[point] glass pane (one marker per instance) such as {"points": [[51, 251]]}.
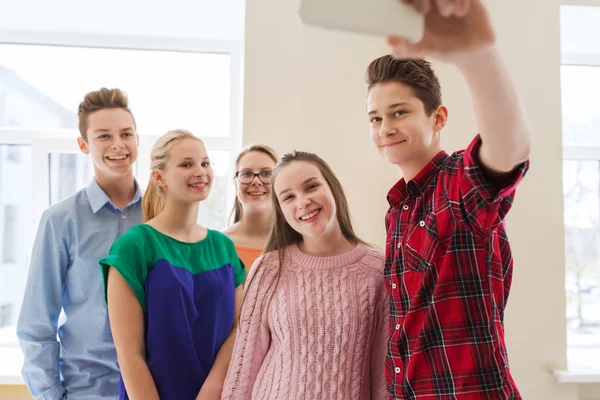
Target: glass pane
{"points": [[580, 116], [213, 211], [581, 180], [579, 29], [192, 92], [68, 174], [16, 234]]}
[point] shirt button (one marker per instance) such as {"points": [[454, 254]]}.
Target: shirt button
{"points": [[399, 245], [394, 286], [397, 326], [422, 223], [123, 216], [405, 207], [397, 370]]}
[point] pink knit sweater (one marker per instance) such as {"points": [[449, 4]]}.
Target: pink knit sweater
{"points": [[324, 335]]}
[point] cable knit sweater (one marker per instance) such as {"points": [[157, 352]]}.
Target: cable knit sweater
{"points": [[323, 335]]}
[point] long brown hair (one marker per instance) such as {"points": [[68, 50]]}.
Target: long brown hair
{"points": [[237, 211], [153, 201], [282, 235]]}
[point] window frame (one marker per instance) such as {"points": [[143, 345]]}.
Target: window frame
{"points": [[43, 142], [580, 152], [14, 257]]}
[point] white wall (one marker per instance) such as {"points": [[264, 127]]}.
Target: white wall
{"points": [[305, 90]]}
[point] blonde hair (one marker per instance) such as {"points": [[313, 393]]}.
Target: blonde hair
{"points": [[100, 100], [238, 212], [153, 201]]}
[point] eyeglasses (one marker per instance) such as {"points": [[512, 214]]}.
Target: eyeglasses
{"points": [[246, 177]]}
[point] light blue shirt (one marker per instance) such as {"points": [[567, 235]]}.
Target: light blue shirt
{"points": [[72, 237]]}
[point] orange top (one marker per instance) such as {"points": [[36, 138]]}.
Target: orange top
{"points": [[248, 255]]}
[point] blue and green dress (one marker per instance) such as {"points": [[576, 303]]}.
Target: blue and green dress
{"points": [[187, 293]]}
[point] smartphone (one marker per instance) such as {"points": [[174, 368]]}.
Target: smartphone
{"points": [[373, 17]]}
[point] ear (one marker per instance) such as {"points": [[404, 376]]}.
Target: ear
{"points": [[83, 146], [440, 118], [137, 139], [158, 178]]}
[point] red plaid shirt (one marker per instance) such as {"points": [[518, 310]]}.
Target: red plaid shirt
{"points": [[448, 270]]}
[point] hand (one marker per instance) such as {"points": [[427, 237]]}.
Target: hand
{"points": [[454, 30], [210, 390]]}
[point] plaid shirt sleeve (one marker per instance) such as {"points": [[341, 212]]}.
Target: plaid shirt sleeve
{"points": [[486, 202]]}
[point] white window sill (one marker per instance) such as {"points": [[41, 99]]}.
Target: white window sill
{"points": [[11, 362], [583, 367]]}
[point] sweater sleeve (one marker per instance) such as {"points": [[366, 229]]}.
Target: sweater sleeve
{"points": [[253, 336], [378, 354]]}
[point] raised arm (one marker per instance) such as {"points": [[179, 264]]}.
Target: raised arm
{"points": [[460, 32]]}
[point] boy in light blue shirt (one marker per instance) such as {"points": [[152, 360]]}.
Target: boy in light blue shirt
{"points": [[73, 235]]}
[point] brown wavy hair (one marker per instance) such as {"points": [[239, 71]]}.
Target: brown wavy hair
{"points": [[282, 235]]}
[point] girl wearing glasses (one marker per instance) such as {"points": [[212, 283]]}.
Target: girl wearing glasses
{"points": [[252, 210]]}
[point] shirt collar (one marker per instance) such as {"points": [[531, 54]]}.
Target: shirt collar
{"points": [[401, 190], [98, 198]]}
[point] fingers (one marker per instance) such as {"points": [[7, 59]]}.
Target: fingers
{"points": [[423, 6], [446, 8], [462, 7], [402, 48]]}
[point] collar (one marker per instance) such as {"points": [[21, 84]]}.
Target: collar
{"points": [[402, 190], [98, 198]]}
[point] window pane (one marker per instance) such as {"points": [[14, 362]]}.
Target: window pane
{"points": [[581, 180], [579, 29], [9, 245], [68, 174], [213, 211], [16, 234], [580, 116], [192, 92]]}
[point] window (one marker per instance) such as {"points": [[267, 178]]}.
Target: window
{"points": [[193, 90], [16, 233], [5, 315], [13, 153], [212, 211], [10, 232], [581, 177], [2, 105], [580, 84], [40, 163], [68, 174]]}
